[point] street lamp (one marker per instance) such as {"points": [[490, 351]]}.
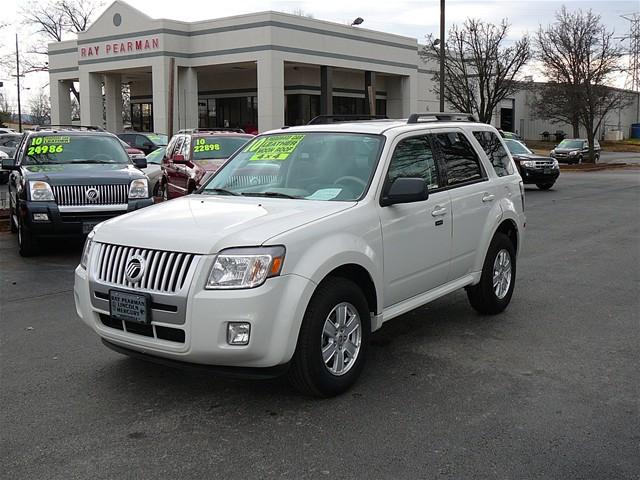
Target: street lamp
{"points": [[357, 21]]}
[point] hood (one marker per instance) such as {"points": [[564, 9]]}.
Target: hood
{"points": [[531, 156], [210, 165], [206, 224], [566, 150], [83, 173]]}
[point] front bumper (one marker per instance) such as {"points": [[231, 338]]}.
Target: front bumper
{"points": [[538, 175], [63, 224], [275, 311]]}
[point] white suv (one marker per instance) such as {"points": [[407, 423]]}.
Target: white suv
{"points": [[306, 241]]}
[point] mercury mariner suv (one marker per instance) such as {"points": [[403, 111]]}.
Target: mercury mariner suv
{"points": [[65, 180], [307, 240]]}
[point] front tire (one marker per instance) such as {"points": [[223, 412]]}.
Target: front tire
{"points": [[27, 243], [544, 186], [333, 340], [493, 293]]}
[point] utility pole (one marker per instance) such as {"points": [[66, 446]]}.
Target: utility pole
{"points": [[18, 82], [442, 55]]}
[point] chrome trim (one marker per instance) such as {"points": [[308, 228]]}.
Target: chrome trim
{"points": [[76, 195], [92, 208]]}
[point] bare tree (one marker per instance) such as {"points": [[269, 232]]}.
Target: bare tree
{"points": [[301, 13], [480, 70], [40, 108], [54, 20], [556, 102], [580, 57], [5, 111]]}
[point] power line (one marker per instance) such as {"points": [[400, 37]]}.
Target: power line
{"points": [[633, 73]]}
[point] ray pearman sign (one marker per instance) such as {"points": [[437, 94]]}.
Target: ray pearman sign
{"points": [[122, 47]]}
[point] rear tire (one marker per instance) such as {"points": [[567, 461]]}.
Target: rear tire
{"points": [[321, 338], [544, 186], [493, 293]]}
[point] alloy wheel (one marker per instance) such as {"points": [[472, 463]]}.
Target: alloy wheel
{"points": [[341, 338], [502, 274]]}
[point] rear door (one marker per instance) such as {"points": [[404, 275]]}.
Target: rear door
{"points": [[173, 170], [472, 197], [416, 236]]}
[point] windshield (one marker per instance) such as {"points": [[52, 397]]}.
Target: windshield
{"points": [[571, 144], [209, 147], [158, 139], [517, 148], [50, 149], [156, 156], [314, 166]]}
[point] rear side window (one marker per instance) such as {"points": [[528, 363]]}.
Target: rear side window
{"points": [[461, 161], [496, 152], [207, 147], [413, 157]]}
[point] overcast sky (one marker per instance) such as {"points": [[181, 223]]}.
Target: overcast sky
{"points": [[404, 17]]}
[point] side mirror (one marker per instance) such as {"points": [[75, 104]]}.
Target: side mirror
{"points": [[140, 163], [178, 158], [405, 190], [9, 164]]}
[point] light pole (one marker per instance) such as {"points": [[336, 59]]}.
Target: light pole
{"points": [[442, 40], [18, 82]]}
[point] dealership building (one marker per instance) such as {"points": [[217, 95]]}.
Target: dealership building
{"points": [[257, 72]]}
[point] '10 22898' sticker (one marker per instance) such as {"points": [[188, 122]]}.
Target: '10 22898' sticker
{"points": [[49, 144], [203, 146], [276, 147]]}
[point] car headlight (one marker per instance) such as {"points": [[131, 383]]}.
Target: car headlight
{"points": [[87, 249], [552, 152], [555, 164], [573, 153], [40, 191], [245, 267], [139, 188], [529, 163]]}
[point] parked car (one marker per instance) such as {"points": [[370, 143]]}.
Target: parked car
{"points": [[193, 156], [534, 169], [509, 135], [307, 240], [574, 150], [9, 142], [134, 153], [154, 170], [4, 174], [65, 181], [6, 130], [147, 142]]}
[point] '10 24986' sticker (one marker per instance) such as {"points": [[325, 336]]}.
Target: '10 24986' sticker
{"points": [[203, 146], [276, 147], [50, 144]]}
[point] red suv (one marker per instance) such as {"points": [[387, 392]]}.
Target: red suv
{"points": [[192, 156]]}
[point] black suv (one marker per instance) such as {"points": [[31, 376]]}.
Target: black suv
{"points": [[66, 180], [574, 150]]}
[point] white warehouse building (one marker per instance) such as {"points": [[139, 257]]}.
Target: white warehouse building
{"points": [[257, 72]]}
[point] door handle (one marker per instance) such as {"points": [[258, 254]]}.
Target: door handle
{"points": [[438, 211], [488, 197]]}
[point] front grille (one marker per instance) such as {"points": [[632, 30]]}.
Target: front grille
{"points": [[153, 331], [543, 164], [164, 272], [76, 195]]}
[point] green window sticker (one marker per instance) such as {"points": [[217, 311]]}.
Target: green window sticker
{"points": [[203, 146], [276, 147], [45, 145]]}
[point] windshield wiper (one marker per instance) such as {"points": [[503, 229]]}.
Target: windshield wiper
{"points": [[91, 161], [220, 190], [271, 194]]}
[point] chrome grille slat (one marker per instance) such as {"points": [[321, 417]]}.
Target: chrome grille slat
{"points": [[165, 272], [75, 195]]}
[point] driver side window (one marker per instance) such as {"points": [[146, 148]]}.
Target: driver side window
{"points": [[413, 157]]}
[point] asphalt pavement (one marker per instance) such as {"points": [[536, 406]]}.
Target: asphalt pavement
{"points": [[548, 390]]}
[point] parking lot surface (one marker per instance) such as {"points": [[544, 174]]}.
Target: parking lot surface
{"points": [[548, 389]]}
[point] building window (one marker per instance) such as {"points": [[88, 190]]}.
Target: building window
{"points": [[300, 108], [235, 112], [356, 106], [142, 117]]}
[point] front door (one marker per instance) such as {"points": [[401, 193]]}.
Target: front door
{"points": [[416, 236]]}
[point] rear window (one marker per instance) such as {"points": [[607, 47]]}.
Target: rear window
{"points": [[462, 163], [56, 149], [209, 147], [160, 140]]}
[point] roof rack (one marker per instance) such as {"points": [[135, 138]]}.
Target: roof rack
{"points": [[93, 128], [441, 117], [210, 130], [325, 119]]}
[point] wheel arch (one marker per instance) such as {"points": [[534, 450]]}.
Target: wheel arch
{"points": [[361, 277]]}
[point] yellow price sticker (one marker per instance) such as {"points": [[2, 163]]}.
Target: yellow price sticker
{"points": [[275, 147]]}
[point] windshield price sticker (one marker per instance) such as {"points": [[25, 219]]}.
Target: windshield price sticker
{"points": [[203, 146], [43, 145], [276, 147], [42, 149]]}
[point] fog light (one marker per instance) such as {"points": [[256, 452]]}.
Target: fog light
{"points": [[41, 217], [238, 333]]}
